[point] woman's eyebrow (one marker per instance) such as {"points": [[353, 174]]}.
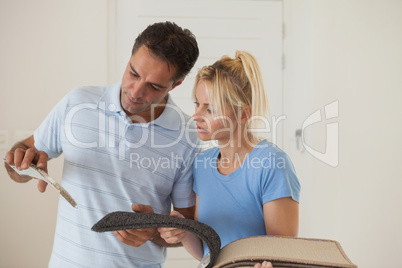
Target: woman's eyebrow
{"points": [[206, 104]]}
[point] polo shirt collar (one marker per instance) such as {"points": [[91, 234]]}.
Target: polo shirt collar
{"points": [[172, 116], [110, 100]]}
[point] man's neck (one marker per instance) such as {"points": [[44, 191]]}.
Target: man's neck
{"points": [[149, 115]]}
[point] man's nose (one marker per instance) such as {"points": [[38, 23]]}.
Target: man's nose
{"points": [[137, 90]]}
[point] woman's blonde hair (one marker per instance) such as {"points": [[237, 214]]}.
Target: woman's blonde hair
{"points": [[236, 83]]}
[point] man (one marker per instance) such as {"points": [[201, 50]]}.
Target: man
{"points": [[126, 147]]}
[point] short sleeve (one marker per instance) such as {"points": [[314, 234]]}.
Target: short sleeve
{"points": [[47, 135], [182, 193], [279, 179], [195, 186]]}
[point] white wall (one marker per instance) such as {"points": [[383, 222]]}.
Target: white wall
{"points": [[350, 51], [358, 60], [352, 54], [47, 48]]}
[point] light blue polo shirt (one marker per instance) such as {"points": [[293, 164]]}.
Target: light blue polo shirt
{"points": [[109, 164]]}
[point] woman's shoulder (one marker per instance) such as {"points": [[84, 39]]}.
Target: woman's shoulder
{"points": [[209, 152], [265, 147], [271, 157]]}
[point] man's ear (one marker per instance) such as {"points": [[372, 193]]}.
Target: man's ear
{"points": [[177, 83]]}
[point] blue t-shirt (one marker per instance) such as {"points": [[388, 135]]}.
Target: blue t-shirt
{"points": [[233, 204]]}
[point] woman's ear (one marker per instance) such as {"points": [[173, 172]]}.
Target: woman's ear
{"points": [[245, 114]]}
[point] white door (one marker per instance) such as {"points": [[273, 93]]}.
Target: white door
{"points": [[221, 27]]}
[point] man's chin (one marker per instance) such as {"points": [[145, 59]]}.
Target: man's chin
{"points": [[131, 111]]}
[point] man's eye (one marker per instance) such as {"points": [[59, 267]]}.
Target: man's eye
{"points": [[134, 74], [156, 88]]}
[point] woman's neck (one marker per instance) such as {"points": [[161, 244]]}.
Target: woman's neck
{"points": [[233, 153]]}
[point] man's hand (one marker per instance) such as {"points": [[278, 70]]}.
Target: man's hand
{"points": [[22, 155], [137, 237]]}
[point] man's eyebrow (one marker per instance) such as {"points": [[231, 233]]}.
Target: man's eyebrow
{"points": [[155, 84]]}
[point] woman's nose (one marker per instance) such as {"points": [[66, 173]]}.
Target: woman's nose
{"points": [[197, 115], [195, 118]]}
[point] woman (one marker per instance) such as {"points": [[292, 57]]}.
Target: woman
{"points": [[246, 185]]}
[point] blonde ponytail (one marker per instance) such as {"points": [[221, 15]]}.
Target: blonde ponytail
{"points": [[236, 83], [259, 99]]}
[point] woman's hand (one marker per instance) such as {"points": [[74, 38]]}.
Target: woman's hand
{"points": [[173, 235], [265, 264]]}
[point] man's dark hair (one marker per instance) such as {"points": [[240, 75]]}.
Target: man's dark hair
{"points": [[172, 44]]}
